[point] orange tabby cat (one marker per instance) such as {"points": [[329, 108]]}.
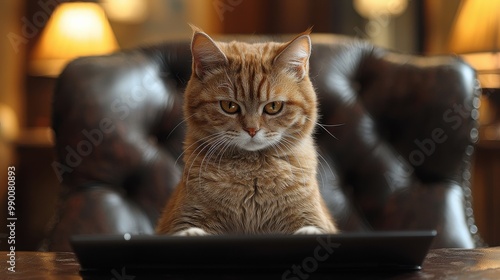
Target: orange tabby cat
{"points": [[250, 159]]}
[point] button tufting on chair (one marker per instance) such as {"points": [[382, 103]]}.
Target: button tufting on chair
{"points": [[396, 136]]}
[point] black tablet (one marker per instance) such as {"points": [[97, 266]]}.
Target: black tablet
{"points": [[291, 256]]}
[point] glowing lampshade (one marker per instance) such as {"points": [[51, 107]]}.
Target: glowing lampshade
{"points": [[476, 37], [377, 8], [75, 29], [9, 126], [128, 11]]}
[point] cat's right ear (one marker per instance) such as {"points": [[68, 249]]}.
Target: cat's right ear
{"points": [[294, 57], [206, 54]]}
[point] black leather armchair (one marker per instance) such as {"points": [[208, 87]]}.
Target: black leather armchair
{"points": [[399, 157]]}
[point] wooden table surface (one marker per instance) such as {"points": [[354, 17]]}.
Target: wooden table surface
{"points": [[481, 263]]}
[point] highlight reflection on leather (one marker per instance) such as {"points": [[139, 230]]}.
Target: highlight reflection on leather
{"points": [[398, 161]]}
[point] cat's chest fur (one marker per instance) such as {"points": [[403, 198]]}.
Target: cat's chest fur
{"points": [[257, 174], [252, 193]]}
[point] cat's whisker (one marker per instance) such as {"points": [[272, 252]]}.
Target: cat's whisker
{"points": [[289, 143], [195, 143], [213, 149], [330, 125], [228, 143], [321, 163], [207, 157], [181, 122], [201, 147], [324, 127], [223, 151], [327, 131], [188, 147]]}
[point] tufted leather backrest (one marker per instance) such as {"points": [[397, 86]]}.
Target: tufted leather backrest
{"points": [[395, 137]]}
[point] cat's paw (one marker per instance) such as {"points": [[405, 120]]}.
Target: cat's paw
{"points": [[309, 230], [192, 231]]}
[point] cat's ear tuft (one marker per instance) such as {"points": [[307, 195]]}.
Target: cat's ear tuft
{"points": [[206, 54], [195, 28], [294, 56]]}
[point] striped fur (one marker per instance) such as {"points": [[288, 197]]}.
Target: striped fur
{"points": [[248, 172]]}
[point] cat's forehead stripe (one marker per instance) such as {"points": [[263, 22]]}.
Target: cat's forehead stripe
{"points": [[243, 52], [251, 80], [239, 88], [261, 85], [249, 68], [253, 84]]}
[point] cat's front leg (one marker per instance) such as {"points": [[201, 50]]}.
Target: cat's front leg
{"points": [[192, 231], [309, 230]]}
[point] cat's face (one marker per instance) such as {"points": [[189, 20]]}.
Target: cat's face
{"points": [[250, 96]]}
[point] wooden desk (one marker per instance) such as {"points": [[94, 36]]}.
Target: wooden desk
{"points": [[439, 264]]}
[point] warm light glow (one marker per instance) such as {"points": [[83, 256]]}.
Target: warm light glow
{"points": [[476, 37], [477, 27], [487, 62], [75, 29], [9, 126], [376, 8], [129, 11]]}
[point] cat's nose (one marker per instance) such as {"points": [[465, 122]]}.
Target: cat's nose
{"points": [[251, 131]]}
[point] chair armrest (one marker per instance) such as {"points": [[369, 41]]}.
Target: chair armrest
{"points": [[96, 210]]}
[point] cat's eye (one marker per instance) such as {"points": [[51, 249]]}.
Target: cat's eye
{"points": [[229, 107], [274, 107]]}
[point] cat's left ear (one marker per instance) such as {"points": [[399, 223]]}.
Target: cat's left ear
{"points": [[206, 54], [294, 57]]}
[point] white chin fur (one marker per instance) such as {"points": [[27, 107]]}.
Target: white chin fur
{"points": [[256, 143], [252, 147]]}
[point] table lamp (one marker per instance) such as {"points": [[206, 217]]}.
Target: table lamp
{"points": [[377, 8], [74, 29], [379, 28], [475, 36]]}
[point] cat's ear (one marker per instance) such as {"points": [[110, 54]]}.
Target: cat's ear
{"points": [[206, 54], [294, 56]]}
